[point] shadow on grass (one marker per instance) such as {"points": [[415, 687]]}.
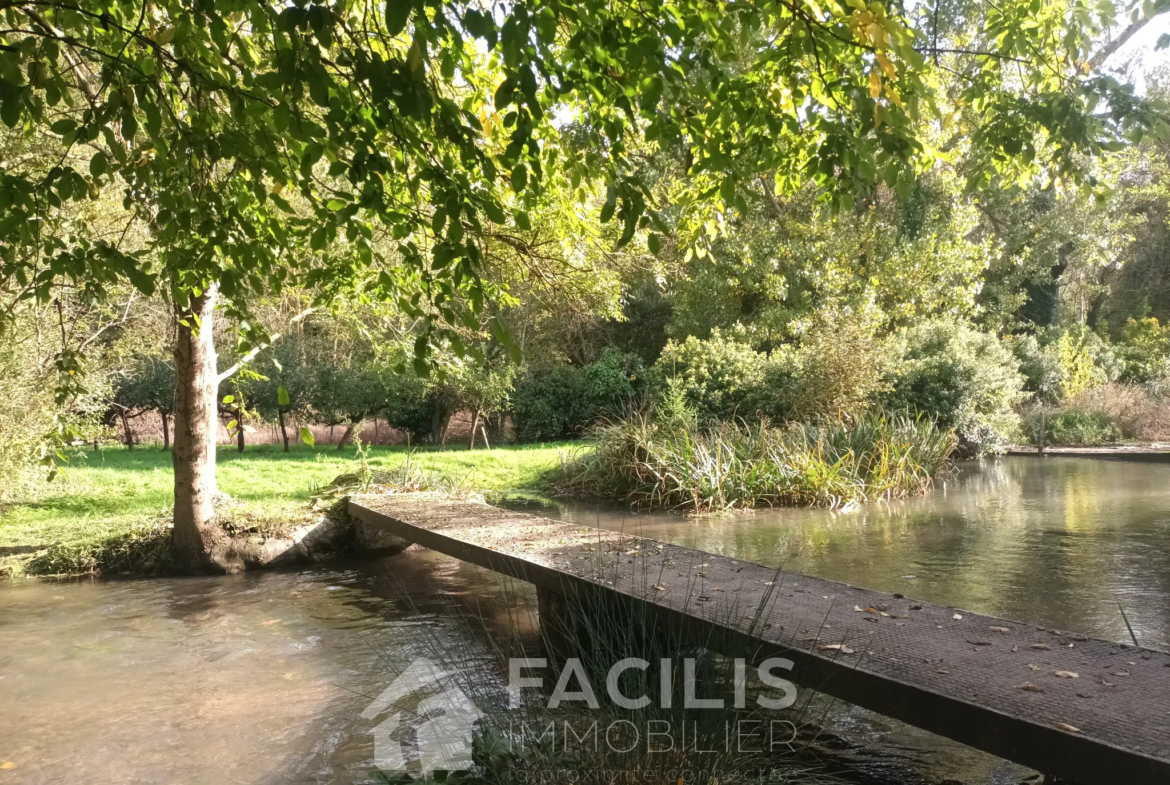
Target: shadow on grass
{"points": [[18, 550], [142, 551]]}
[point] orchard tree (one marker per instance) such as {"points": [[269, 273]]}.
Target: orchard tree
{"points": [[148, 385], [370, 148]]}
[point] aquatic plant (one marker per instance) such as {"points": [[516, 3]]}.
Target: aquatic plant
{"points": [[652, 464], [472, 635]]}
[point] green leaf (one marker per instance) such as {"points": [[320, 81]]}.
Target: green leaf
{"points": [[610, 203], [98, 165], [232, 424], [653, 243], [10, 110], [397, 13], [519, 178], [62, 127], [523, 221], [229, 399], [282, 398], [494, 212], [317, 240], [307, 436]]}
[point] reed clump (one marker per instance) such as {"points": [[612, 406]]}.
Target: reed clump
{"points": [[672, 464]]}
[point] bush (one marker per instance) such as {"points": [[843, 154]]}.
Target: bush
{"points": [[1144, 349], [718, 376], [962, 379], [1038, 363], [562, 403], [1141, 411], [549, 406], [612, 381], [836, 373], [1086, 361], [653, 464], [1075, 427]]}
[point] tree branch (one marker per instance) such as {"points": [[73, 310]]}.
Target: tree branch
{"points": [[247, 358], [1105, 52]]}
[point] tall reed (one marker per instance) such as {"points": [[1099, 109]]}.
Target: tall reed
{"points": [[734, 465]]}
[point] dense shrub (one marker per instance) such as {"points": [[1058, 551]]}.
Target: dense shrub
{"points": [[962, 379], [612, 381], [717, 375], [652, 464], [564, 402], [1141, 411], [1144, 349], [548, 406], [1038, 363], [1074, 427], [1086, 360], [836, 373]]}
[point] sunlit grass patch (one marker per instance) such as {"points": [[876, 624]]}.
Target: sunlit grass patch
{"points": [[108, 502]]}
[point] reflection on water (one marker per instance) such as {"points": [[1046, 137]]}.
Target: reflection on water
{"points": [[1058, 542], [261, 678]]}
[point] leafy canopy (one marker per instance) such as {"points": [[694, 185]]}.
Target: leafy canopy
{"points": [[365, 146]]}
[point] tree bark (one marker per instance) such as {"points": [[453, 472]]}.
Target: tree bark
{"points": [[440, 417], [240, 426], [126, 430], [166, 431], [196, 531], [348, 435], [474, 425], [283, 430]]}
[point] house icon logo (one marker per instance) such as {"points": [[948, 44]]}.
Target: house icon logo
{"points": [[443, 722]]}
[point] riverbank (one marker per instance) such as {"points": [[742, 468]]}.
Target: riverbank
{"points": [[111, 503], [1155, 452]]}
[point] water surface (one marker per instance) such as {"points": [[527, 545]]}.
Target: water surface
{"points": [[1058, 542], [262, 678]]}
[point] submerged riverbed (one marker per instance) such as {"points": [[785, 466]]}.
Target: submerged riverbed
{"points": [[262, 678]]}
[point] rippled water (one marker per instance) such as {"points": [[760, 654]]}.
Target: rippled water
{"points": [[261, 678], [258, 678]]}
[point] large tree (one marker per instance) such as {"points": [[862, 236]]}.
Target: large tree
{"points": [[371, 147]]}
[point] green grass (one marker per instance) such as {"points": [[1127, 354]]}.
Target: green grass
{"points": [[110, 495]]}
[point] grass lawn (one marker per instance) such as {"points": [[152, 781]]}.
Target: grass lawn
{"points": [[110, 494]]}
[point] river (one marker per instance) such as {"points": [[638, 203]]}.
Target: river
{"points": [[262, 678]]}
